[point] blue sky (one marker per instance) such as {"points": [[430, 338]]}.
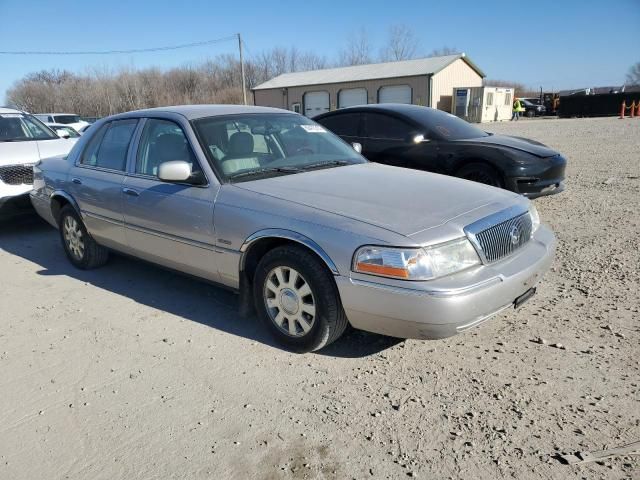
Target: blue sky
{"points": [[554, 44]]}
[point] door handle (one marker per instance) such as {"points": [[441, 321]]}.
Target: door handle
{"points": [[76, 181], [129, 191]]}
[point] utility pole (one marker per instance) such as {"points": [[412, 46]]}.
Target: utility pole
{"points": [[244, 86]]}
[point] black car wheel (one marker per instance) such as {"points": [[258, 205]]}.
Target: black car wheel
{"points": [[297, 299], [531, 113], [481, 173]]}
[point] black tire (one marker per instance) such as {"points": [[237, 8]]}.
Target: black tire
{"points": [[91, 255], [531, 113], [481, 173], [329, 320]]}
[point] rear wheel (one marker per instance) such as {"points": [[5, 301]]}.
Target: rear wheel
{"points": [[81, 249], [481, 173], [297, 299]]}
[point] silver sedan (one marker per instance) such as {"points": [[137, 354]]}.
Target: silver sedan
{"points": [[310, 234]]}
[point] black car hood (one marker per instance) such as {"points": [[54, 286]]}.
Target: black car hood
{"points": [[516, 143]]}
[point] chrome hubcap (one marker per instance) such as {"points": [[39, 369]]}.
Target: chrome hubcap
{"points": [[289, 301], [73, 237]]}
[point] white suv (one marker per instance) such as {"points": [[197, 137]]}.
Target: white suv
{"points": [[69, 119], [24, 140]]}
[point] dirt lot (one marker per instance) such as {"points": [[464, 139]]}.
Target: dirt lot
{"points": [[130, 371]]}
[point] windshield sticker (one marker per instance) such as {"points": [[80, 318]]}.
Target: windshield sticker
{"points": [[11, 115], [313, 128]]}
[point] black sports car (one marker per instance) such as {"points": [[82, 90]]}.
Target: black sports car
{"points": [[428, 139]]}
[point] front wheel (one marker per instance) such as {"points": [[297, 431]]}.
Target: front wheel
{"points": [[481, 173], [297, 299], [81, 249]]}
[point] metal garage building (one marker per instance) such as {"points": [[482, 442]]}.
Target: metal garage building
{"points": [[423, 81]]}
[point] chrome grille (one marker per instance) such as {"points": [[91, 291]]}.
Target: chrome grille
{"points": [[500, 235], [17, 174]]}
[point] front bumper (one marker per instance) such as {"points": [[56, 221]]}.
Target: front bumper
{"points": [[14, 199], [547, 178], [444, 307]]}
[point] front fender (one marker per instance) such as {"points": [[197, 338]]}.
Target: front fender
{"points": [[289, 235]]}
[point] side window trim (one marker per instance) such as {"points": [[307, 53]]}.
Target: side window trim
{"points": [[135, 150]]}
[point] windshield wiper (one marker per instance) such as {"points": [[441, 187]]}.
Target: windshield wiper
{"points": [[262, 171], [330, 163]]}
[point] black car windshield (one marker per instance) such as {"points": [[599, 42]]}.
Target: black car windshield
{"points": [[247, 147], [17, 127], [67, 119]]}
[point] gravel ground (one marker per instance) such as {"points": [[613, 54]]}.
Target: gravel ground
{"points": [[131, 371]]}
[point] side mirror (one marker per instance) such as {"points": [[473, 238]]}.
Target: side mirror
{"points": [[63, 133], [357, 147], [417, 138], [174, 171]]}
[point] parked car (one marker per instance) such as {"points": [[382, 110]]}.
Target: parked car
{"points": [[24, 140], [90, 119], [84, 129], [427, 139], [533, 107], [63, 131], [71, 119], [271, 204]]}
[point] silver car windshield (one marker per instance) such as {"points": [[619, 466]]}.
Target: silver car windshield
{"points": [[247, 147]]}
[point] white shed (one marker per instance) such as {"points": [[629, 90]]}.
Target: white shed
{"points": [[482, 104]]}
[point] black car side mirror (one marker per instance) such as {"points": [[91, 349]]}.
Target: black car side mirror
{"points": [[416, 138]]}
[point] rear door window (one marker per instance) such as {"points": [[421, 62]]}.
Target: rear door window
{"points": [[108, 147], [346, 125], [385, 127]]}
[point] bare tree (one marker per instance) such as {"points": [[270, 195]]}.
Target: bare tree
{"points": [[357, 50], [442, 51], [402, 44], [633, 77]]}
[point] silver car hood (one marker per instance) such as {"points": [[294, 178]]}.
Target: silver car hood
{"points": [[16, 153], [401, 200]]}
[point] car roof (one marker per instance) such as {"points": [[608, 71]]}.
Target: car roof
{"points": [[56, 114], [417, 113], [192, 112], [10, 110]]}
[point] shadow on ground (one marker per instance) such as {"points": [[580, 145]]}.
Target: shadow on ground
{"points": [[34, 240]]}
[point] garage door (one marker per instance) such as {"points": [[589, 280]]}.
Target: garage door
{"points": [[316, 103], [352, 97], [395, 94]]}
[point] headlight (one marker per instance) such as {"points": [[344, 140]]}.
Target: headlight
{"points": [[535, 218], [416, 263]]}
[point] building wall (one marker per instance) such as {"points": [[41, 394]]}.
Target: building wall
{"points": [[458, 74], [275, 97]]}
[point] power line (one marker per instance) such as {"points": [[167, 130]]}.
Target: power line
{"points": [[115, 52]]}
